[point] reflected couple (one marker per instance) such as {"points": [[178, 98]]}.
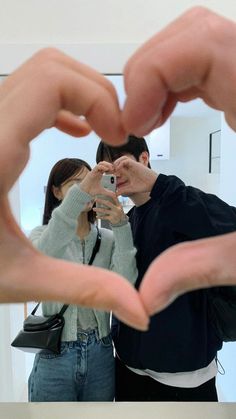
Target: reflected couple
{"points": [[176, 359]]}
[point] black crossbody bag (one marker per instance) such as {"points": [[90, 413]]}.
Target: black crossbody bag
{"points": [[42, 333]]}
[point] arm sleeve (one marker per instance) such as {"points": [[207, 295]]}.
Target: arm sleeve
{"points": [[192, 213], [123, 260], [62, 226]]}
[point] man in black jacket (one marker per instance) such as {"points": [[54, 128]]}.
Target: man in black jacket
{"points": [[175, 360]]}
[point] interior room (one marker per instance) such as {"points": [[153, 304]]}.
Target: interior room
{"points": [[196, 144]]}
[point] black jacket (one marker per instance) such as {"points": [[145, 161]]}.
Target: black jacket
{"points": [[181, 337]]}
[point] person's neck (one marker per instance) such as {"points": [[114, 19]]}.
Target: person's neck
{"points": [[83, 227], [140, 198]]}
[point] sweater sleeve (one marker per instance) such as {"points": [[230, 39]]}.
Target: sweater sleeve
{"points": [[53, 237], [123, 260]]}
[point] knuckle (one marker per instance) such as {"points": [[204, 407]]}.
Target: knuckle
{"points": [[48, 54], [198, 11]]}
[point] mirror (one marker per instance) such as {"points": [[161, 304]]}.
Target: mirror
{"points": [[187, 154], [197, 146]]}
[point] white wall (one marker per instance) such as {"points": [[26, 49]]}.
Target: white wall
{"points": [[228, 164], [6, 377], [70, 21], [226, 378], [12, 362], [189, 151]]}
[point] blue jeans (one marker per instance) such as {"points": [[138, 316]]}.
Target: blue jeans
{"points": [[83, 371]]}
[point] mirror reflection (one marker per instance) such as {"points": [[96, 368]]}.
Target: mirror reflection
{"points": [[195, 145]]}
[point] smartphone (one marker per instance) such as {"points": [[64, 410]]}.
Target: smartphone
{"points": [[108, 182]]}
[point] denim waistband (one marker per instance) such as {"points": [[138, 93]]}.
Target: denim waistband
{"points": [[84, 336], [88, 334]]}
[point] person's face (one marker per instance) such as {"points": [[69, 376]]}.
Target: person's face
{"points": [[61, 191]]}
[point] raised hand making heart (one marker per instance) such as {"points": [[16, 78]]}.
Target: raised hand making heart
{"points": [[180, 63]]}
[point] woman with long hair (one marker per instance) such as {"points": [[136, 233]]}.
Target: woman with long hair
{"points": [[84, 369]]}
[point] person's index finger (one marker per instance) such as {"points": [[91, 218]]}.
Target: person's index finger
{"points": [[72, 124], [182, 22], [107, 166], [53, 56], [62, 84], [106, 192], [173, 65], [93, 101]]}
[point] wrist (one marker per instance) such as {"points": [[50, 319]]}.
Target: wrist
{"points": [[84, 188], [124, 220]]}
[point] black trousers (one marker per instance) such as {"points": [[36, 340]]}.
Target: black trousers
{"points": [[133, 387]]}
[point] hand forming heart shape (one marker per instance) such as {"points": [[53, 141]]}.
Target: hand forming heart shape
{"points": [[178, 64]]}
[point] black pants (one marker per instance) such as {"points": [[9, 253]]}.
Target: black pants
{"points": [[133, 387]]}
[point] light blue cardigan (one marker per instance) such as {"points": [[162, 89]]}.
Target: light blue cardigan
{"points": [[59, 239]]}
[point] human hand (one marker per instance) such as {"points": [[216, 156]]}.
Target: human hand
{"points": [[113, 211], [52, 89], [132, 176], [194, 56], [189, 266], [184, 61], [92, 181]]}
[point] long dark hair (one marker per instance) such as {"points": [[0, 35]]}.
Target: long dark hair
{"points": [[61, 171]]}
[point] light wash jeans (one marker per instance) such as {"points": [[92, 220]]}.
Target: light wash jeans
{"points": [[83, 371]]}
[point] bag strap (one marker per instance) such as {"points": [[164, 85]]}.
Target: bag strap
{"points": [[95, 251], [61, 312], [96, 247], [35, 309]]}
